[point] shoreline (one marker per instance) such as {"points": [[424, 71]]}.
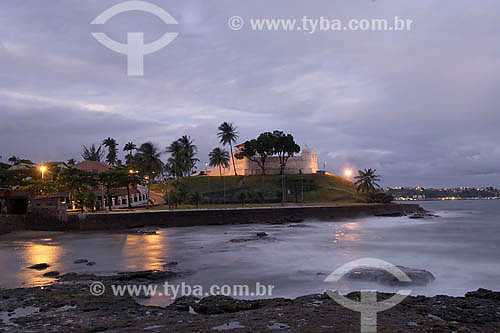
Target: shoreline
{"points": [[202, 217], [67, 305]]}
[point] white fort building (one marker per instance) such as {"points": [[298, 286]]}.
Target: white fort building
{"points": [[305, 163]]}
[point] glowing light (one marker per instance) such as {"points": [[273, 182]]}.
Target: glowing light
{"points": [[348, 173], [43, 168]]}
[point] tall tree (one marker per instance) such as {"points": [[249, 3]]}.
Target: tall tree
{"points": [[112, 146], [285, 147], [367, 181], [258, 150], [76, 182], [219, 158], [228, 135], [189, 152], [176, 161], [129, 147], [92, 153], [148, 162], [182, 160], [148, 159]]}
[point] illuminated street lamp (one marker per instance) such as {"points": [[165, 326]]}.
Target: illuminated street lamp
{"points": [[348, 173], [43, 169]]}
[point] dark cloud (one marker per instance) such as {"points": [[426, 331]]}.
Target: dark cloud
{"points": [[419, 106]]}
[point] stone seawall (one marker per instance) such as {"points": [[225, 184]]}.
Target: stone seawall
{"points": [[186, 218], [9, 223]]}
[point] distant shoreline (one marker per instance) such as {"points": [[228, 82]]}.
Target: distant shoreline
{"points": [[442, 199]]}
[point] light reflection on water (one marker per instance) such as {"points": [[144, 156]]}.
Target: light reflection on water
{"points": [[35, 252], [148, 247]]}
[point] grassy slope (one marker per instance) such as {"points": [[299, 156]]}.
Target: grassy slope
{"points": [[326, 188]]}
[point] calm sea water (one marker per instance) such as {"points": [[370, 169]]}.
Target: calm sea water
{"points": [[461, 248]]}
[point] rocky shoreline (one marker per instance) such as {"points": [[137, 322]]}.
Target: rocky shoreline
{"points": [[67, 305]]}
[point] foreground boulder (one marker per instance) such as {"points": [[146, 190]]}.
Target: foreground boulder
{"points": [[40, 267], [80, 261], [223, 304], [52, 274], [419, 277], [151, 275]]}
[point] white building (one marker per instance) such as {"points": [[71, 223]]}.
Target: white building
{"points": [[306, 163]]}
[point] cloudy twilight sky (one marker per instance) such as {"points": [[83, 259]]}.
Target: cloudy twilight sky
{"points": [[420, 106]]}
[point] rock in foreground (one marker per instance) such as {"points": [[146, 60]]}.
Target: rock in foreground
{"points": [[69, 307], [40, 267], [419, 277]]}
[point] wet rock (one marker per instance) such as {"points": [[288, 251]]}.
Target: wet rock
{"points": [[240, 240], [433, 317], [146, 232], [52, 274], [484, 294], [278, 326], [261, 234], [171, 263], [419, 277], [40, 267], [184, 303], [69, 276], [224, 304], [394, 214], [151, 275], [228, 326], [251, 239], [80, 261]]}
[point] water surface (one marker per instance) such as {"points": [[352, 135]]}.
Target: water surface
{"points": [[461, 248]]}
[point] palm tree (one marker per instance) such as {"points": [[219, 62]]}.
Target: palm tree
{"points": [[219, 158], [71, 162], [182, 160], [176, 161], [92, 153], [148, 161], [189, 153], [130, 147], [228, 135], [111, 144], [367, 181]]}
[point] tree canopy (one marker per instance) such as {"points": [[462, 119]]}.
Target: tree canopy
{"points": [[269, 144]]}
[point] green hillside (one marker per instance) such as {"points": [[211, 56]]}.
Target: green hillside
{"points": [[313, 188]]}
